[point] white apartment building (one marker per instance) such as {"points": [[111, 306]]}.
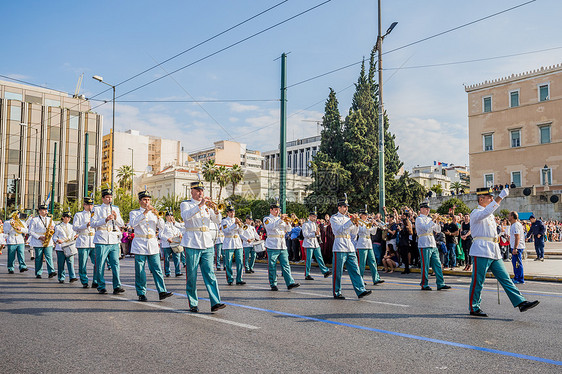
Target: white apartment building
{"points": [[431, 175]]}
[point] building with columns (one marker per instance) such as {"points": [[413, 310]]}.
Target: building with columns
{"points": [[33, 122], [299, 154]]}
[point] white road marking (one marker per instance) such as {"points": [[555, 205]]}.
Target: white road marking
{"points": [[196, 315]]}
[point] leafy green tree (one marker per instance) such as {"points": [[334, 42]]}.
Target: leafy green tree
{"points": [[222, 178], [406, 191], [235, 175], [331, 143], [125, 176], [456, 186], [330, 181], [461, 207], [210, 173], [437, 188]]}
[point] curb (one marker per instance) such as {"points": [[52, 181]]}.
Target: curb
{"points": [[540, 278]]}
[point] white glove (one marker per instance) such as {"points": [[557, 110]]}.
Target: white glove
{"points": [[504, 193]]}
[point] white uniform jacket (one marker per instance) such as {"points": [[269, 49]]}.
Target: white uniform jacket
{"points": [[231, 234], [104, 230], [309, 233], [37, 227], [170, 230], [246, 235], [343, 230], [364, 237], [64, 232], [12, 237], [145, 241], [484, 232], [425, 228], [197, 223], [276, 229], [85, 233], [219, 237]]}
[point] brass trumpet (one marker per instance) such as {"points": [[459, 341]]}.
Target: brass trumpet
{"points": [[215, 206]]}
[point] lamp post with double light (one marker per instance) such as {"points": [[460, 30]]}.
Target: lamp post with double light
{"points": [[100, 79]]}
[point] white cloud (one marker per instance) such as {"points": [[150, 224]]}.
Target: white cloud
{"points": [[239, 108]]}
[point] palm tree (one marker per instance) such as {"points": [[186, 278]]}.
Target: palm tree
{"points": [[210, 173], [222, 178], [125, 174], [457, 186], [236, 176]]}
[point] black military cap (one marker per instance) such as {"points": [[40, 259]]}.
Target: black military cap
{"points": [[42, 206], [483, 191], [106, 191], [274, 206], [169, 214], [199, 185], [144, 194], [424, 205], [88, 200], [342, 202], [67, 214]]}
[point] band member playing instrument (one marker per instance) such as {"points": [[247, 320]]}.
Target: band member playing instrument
{"points": [[198, 246], [231, 226], [249, 236], [486, 254], [311, 232], [41, 230], [428, 249], [167, 234], [365, 248], [14, 229], [85, 241], [106, 221], [344, 252], [144, 246], [64, 233], [276, 227]]}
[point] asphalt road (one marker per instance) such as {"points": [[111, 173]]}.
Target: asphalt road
{"points": [[48, 327]]}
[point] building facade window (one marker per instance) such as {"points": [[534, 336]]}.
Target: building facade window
{"points": [[515, 138], [516, 178], [546, 176], [489, 180], [488, 142], [544, 134], [544, 92], [514, 99], [487, 104]]}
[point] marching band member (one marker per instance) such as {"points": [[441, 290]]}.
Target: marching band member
{"points": [[13, 230], [232, 245], [219, 240], [344, 253], [428, 249], [42, 228], [277, 248], [106, 221], [249, 237], [85, 241], [167, 233], [365, 249], [310, 232], [198, 247], [486, 254], [64, 233], [144, 246]]}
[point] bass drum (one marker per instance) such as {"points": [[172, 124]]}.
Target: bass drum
{"points": [[259, 247]]}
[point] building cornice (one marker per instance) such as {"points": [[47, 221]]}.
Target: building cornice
{"points": [[514, 78]]}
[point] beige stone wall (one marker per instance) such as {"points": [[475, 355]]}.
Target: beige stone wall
{"points": [[531, 156]]}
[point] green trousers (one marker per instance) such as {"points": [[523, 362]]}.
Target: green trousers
{"points": [[430, 257], [480, 266]]}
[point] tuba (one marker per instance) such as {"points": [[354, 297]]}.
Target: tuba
{"points": [[16, 223], [49, 233]]}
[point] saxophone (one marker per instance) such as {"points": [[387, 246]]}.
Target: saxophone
{"points": [[49, 233]]}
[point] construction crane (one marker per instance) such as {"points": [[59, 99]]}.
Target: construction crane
{"points": [[78, 86]]}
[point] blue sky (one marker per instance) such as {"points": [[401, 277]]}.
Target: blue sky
{"points": [[52, 43]]}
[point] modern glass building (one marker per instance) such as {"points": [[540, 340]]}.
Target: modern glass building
{"points": [[32, 121]]}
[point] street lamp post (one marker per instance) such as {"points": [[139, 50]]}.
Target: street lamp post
{"points": [[35, 179], [100, 79], [381, 113]]}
